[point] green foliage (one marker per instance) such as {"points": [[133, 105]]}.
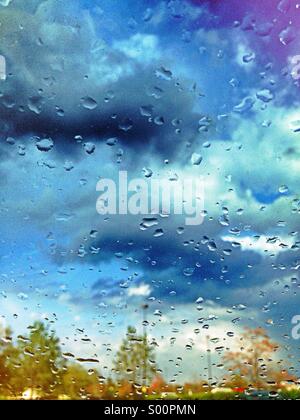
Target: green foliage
{"points": [[134, 361], [6, 352], [200, 396], [40, 360], [35, 365], [290, 395], [78, 383]]}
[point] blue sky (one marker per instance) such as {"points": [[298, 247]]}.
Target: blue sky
{"points": [[229, 66]]}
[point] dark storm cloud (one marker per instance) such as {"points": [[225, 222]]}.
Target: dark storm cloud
{"points": [[54, 65], [188, 264], [171, 268], [57, 72]]}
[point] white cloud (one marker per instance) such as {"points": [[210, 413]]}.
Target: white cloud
{"points": [[141, 290], [263, 245], [141, 47]]}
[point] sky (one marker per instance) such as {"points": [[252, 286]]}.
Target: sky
{"points": [[97, 87]]}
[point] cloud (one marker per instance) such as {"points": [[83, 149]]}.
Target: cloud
{"points": [[74, 78], [57, 68], [262, 244], [141, 290]]}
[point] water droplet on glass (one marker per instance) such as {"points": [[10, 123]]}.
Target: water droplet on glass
{"points": [[196, 159], [212, 246], [284, 6], [288, 35], [158, 233], [89, 103], [68, 166], [147, 172], [244, 106], [163, 73], [45, 145], [264, 29], [112, 141], [283, 189], [146, 110], [126, 125], [265, 95], [35, 104], [148, 222], [89, 148], [159, 120], [188, 272], [248, 58]]}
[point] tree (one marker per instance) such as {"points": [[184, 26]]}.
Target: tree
{"points": [[40, 360], [7, 359], [78, 383], [253, 361], [235, 381], [134, 363]]}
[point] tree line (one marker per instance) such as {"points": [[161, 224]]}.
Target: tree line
{"points": [[34, 366]]}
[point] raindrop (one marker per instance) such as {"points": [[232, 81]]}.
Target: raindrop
{"points": [[264, 29], [89, 148], [112, 141], [284, 6], [265, 95], [158, 233], [288, 35], [200, 300], [35, 104], [10, 140], [163, 73], [68, 355], [196, 159], [159, 120], [126, 125], [146, 111], [224, 221], [50, 164], [212, 246], [248, 58], [295, 126], [68, 166], [91, 360], [89, 103], [248, 23], [283, 189], [8, 102], [60, 112], [148, 222], [188, 272], [147, 172], [45, 145], [244, 106], [148, 14], [22, 296]]}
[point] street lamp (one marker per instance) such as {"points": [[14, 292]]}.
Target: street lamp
{"points": [[145, 342], [209, 364]]}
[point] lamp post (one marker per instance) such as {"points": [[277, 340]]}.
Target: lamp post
{"points": [[209, 364], [145, 342]]}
